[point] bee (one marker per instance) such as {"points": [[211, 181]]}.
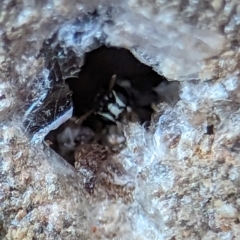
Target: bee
{"points": [[112, 104], [121, 101]]}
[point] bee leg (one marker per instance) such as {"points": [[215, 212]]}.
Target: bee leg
{"points": [[81, 119]]}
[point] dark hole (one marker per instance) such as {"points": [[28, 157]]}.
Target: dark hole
{"points": [[99, 67], [210, 130], [133, 87], [93, 79]]}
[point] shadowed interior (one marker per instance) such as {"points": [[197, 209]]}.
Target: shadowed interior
{"points": [[94, 76]]}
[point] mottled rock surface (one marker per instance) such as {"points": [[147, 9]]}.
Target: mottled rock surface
{"points": [[177, 181]]}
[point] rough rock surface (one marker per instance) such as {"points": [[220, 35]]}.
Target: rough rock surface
{"points": [[173, 182]]}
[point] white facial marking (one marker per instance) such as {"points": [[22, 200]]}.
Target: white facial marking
{"points": [[107, 115], [115, 110], [118, 100]]}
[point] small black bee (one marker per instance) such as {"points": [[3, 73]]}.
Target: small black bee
{"points": [[111, 103], [122, 101]]}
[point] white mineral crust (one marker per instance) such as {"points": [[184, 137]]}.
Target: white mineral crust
{"points": [[173, 182]]}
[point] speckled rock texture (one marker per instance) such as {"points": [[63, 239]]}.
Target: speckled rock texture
{"points": [[175, 181]]}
